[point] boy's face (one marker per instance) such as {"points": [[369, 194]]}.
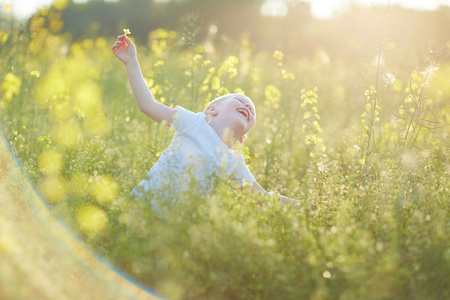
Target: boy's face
{"points": [[238, 113]]}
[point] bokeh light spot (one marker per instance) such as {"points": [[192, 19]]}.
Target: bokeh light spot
{"points": [[105, 189], [50, 162], [91, 219], [53, 188]]}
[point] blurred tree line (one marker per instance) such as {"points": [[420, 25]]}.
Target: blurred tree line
{"points": [[350, 35]]}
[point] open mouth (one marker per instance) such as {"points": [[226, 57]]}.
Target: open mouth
{"points": [[244, 112]]}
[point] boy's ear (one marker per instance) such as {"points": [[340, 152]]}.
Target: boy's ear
{"points": [[211, 110], [241, 139]]}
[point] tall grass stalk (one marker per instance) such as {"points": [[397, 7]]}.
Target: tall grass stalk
{"points": [[416, 115], [189, 35], [374, 98]]}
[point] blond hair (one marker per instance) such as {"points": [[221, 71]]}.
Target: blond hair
{"points": [[223, 98]]}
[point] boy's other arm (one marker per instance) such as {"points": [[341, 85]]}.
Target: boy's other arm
{"points": [[256, 188], [125, 51]]}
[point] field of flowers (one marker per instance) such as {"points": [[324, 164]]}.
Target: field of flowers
{"points": [[366, 151]]}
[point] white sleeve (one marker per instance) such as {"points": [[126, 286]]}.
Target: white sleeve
{"points": [[184, 119], [242, 173]]}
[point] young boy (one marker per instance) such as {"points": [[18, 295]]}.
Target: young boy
{"points": [[200, 150]]}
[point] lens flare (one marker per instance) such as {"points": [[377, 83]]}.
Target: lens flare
{"points": [[40, 258]]}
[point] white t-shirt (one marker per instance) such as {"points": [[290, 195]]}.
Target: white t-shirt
{"points": [[195, 157]]}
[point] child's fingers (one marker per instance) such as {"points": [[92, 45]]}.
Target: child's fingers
{"points": [[116, 45], [126, 38], [122, 40], [126, 41], [121, 37]]}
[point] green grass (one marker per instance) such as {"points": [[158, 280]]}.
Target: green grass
{"points": [[371, 168]]}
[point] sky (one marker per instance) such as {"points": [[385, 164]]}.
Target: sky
{"points": [[321, 9]]}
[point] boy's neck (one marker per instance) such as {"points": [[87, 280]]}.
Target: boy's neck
{"points": [[225, 134]]}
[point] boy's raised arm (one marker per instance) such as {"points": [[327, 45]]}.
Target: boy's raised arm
{"points": [[125, 51]]}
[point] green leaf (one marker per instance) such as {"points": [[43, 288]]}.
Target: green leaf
{"points": [[364, 128], [378, 143]]}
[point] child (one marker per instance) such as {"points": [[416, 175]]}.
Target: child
{"points": [[200, 150]]}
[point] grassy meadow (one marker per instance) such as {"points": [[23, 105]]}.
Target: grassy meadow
{"points": [[364, 145]]}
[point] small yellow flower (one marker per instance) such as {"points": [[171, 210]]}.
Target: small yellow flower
{"points": [[35, 73], [126, 31], [158, 63], [10, 86], [60, 4], [278, 55], [3, 37], [272, 92]]}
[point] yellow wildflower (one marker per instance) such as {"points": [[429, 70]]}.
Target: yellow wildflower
{"points": [[7, 8], [10, 86], [60, 4], [215, 83], [271, 92], [278, 55], [3, 37], [35, 73]]}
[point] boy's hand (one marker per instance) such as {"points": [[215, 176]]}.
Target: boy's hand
{"points": [[124, 49]]}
